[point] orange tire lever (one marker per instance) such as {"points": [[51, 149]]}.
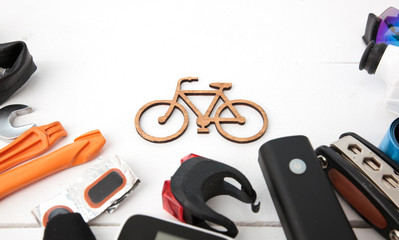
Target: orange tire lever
{"points": [[31, 143], [84, 149]]}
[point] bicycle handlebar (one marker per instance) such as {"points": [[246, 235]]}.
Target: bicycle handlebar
{"points": [[187, 79]]}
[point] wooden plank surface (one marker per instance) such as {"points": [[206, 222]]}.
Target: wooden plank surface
{"points": [[100, 61]]}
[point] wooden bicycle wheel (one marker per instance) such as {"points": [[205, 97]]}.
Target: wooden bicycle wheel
{"points": [[155, 103], [219, 121]]}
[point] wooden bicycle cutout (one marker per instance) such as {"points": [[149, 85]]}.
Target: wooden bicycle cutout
{"points": [[203, 120]]}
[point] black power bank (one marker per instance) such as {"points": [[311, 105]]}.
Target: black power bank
{"points": [[305, 202]]}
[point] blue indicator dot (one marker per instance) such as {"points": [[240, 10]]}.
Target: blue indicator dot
{"points": [[297, 166]]}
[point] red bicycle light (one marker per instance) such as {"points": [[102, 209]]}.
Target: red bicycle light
{"points": [[189, 156], [198, 180], [170, 204]]}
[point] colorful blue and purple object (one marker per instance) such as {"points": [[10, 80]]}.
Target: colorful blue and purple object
{"points": [[383, 29]]}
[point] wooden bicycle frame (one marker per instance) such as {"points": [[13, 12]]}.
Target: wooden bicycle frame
{"points": [[203, 120]]}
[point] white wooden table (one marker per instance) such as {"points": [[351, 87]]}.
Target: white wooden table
{"points": [[100, 61]]}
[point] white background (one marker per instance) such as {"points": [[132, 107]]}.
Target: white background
{"points": [[100, 61]]}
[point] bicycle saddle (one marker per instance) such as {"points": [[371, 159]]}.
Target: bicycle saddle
{"points": [[16, 67], [218, 85]]}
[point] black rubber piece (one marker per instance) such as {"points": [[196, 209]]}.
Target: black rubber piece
{"points": [[372, 56], [199, 179], [19, 65], [105, 187], [66, 227], [305, 202], [373, 23]]}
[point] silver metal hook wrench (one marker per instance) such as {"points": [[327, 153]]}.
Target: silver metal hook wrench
{"points": [[7, 115]]}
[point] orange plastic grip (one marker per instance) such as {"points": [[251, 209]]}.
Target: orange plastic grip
{"points": [[31, 143], [84, 149]]}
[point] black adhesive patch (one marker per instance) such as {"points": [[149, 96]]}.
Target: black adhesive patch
{"points": [[58, 211], [105, 187]]}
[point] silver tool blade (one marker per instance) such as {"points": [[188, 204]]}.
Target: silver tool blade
{"points": [[7, 115]]}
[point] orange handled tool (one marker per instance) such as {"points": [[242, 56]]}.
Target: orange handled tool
{"points": [[84, 149], [31, 143]]}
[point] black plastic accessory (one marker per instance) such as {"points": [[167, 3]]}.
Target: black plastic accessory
{"points": [[142, 227], [197, 180], [305, 202], [372, 56], [16, 67], [66, 227], [367, 179], [370, 34]]}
